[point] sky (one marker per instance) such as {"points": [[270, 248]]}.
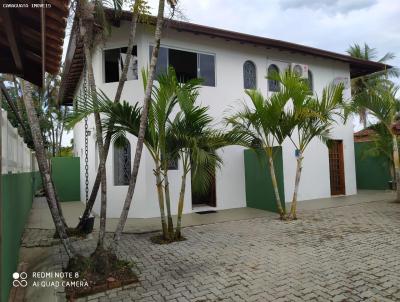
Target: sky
{"points": [[327, 24]]}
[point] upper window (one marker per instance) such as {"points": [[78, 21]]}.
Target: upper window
{"points": [[273, 85], [114, 64], [249, 75], [310, 81], [122, 164], [187, 65]]}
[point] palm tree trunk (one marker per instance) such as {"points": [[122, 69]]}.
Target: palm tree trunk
{"points": [[293, 208], [168, 203], [122, 80], [180, 207], [142, 127], [275, 183], [86, 22], [161, 201], [396, 165], [44, 169]]}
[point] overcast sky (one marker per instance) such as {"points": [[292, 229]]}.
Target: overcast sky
{"points": [[327, 24]]}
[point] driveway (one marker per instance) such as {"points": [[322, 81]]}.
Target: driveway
{"points": [[344, 253]]}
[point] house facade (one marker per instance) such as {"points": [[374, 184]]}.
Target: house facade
{"points": [[228, 62]]}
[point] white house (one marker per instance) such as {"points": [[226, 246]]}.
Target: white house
{"points": [[229, 62]]}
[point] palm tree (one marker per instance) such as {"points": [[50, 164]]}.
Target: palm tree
{"points": [[191, 138], [267, 124], [358, 85], [382, 103], [312, 117], [44, 168]]}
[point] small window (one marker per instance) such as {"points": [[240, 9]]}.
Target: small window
{"points": [[172, 163], [273, 85], [207, 69], [310, 81], [249, 75], [122, 164], [114, 64]]}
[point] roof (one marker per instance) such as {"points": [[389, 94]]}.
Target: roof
{"points": [[21, 38], [364, 135], [74, 59]]}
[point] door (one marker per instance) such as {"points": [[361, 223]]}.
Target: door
{"points": [[204, 195], [336, 167]]}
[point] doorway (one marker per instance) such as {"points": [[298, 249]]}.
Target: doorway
{"points": [[336, 167], [204, 195]]}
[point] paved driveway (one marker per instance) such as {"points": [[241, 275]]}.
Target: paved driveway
{"points": [[349, 253]]}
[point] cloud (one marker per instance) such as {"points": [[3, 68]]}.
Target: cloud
{"points": [[328, 6]]}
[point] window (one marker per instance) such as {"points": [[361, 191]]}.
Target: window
{"points": [[249, 75], [172, 163], [310, 81], [188, 65], [273, 85], [122, 164], [114, 64]]}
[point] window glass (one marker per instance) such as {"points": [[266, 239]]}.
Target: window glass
{"points": [[273, 85], [310, 81], [162, 60], [207, 69], [249, 75], [122, 164], [114, 63]]}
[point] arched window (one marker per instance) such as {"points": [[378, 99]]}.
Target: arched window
{"points": [[122, 164], [273, 85], [249, 75], [310, 81]]}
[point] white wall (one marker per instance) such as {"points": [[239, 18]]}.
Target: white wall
{"points": [[222, 99]]}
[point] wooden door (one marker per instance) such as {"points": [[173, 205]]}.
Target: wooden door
{"points": [[336, 167]]}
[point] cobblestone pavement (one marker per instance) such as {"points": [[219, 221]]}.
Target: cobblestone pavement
{"points": [[350, 253]]}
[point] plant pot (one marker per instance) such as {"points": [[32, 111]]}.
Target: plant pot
{"points": [[392, 185], [87, 224]]}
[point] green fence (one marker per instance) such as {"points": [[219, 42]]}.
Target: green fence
{"points": [[259, 191], [372, 172], [17, 195], [66, 177]]}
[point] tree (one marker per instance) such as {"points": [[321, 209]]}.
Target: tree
{"points": [[267, 124], [382, 103], [142, 125], [359, 84], [44, 169], [312, 117]]}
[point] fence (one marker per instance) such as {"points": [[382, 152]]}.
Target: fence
{"points": [[19, 181], [372, 172], [16, 156]]}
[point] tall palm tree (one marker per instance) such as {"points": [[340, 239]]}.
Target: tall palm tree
{"points": [[358, 85], [44, 168], [312, 117], [382, 103], [267, 124]]}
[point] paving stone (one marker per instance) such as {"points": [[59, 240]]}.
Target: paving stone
{"points": [[347, 253]]}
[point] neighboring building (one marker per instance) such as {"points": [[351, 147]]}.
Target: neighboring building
{"points": [[229, 62]]}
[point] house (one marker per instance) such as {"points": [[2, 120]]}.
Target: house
{"points": [[228, 62]]}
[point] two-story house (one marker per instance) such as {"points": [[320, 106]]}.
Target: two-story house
{"points": [[228, 62]]}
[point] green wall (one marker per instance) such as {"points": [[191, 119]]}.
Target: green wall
{"points": [[373, 172], [259, 191], [66, 177], [17, 195]]}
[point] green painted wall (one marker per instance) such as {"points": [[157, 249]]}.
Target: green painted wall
{"points": [[17, 195], [66, 177], [372, 173], [259, 192]]}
